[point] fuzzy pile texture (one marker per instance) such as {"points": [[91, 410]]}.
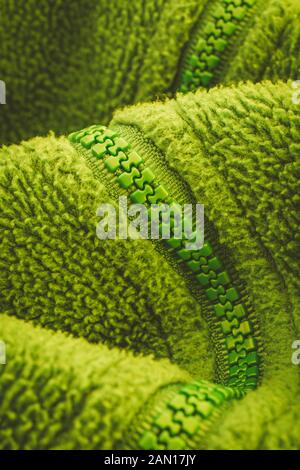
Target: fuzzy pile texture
{"points": [[236, 148], [67, 66]]}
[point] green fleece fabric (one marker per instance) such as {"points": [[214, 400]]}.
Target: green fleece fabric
{"points": [[66, 66], [235, 150]]}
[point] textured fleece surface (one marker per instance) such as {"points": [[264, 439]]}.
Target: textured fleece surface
{"points": [[61, 393], [55, 271], [65, 67], [238, 150]]}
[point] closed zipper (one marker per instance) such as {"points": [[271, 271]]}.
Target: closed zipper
{"points": [[231, 320], [219, 32], [179, 419]]}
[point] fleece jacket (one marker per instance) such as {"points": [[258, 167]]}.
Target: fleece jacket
{"points": [[218, 322], [67, 65]]}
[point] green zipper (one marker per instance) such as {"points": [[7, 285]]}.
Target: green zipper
{"points": [[180, 420], [220, 30], [229, 312]]}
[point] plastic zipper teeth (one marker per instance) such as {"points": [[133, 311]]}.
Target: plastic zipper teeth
{"points": [[182, 420], [229, 319], [213, 42]]}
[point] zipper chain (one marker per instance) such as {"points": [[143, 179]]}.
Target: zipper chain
{"points": [[207, 51]]}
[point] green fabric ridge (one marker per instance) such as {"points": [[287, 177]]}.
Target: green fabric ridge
{"points": [[73, 66]]}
